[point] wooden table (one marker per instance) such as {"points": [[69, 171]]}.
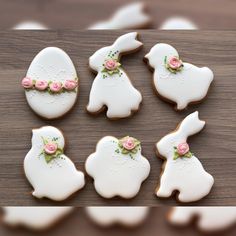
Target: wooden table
{"points": [[79, 223], [215, 146], [80, 14]]}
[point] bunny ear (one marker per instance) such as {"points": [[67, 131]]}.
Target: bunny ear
{"points": [[127, 42]]}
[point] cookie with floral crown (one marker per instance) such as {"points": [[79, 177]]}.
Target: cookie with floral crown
{"points": [[108, 216], [176, 81], [208, 219], [35, 218], [50, 172], [51, 83], [112, 88], [182, 171], [117, 167]]}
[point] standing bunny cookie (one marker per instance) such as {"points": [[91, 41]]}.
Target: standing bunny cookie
{"points": [[175, 81], [182, 170], [112, 87], [51, 83], [51, 173]]}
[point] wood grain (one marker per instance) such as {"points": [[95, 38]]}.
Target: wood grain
{"points": [[80, 14], [79, 223], [215, 146]]}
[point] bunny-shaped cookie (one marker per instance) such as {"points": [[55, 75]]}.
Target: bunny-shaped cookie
{"points": [[112, 87], [51, 173], [175, 81], [182, 170], [209, 219], [131, 16]]}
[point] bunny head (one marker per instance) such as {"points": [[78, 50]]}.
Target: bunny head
{"points": [[47, 134], [158, 53], [123, 44], [188, 127]]}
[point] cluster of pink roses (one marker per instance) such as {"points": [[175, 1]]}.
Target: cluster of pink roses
{"points": [[43, 85]]}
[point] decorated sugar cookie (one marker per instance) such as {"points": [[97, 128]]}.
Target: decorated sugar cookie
{"points": [[182, 169], [178, 23], [36, 218], [208, 218], [176, 81], [127, 216], [117, 167], [112, 87], [131, 16], [50, 172], [51, 83]]}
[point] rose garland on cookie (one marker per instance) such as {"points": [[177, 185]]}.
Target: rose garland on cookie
{"points": [[50, 86], [128, 145], [51, 150], [111, 65], [174, 64], [181, 151]]}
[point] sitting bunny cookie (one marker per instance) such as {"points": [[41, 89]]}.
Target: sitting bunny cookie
{"points": [[117, 167], [51, 83], [131, 16], [36, 218], [107, 216], [209, 219], [182, 170], [175, 81], [51, 173], [112, 87]]}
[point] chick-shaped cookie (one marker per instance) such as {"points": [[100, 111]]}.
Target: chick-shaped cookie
{"points": [[50, 172], [209, 219], [108, 216], [176, 81], [35, 218], [112, 87], [117, 167], [182, 170]]}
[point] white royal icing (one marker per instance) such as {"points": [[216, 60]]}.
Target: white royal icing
{"points": [[116, 174], [186, 175], [187, 86], [51, 64], [178, 23], [38, 218], [209, 218], [30, 25], [107, 216], [127, 17], [57, 179], [116, 91]]}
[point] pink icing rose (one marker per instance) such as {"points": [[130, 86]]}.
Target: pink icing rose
{"points": [[182, 149], [111, 64], [175, 63], [129, 143], [70, 84], [27, 82], [50, 148], [55, 86], [41, 85]]}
